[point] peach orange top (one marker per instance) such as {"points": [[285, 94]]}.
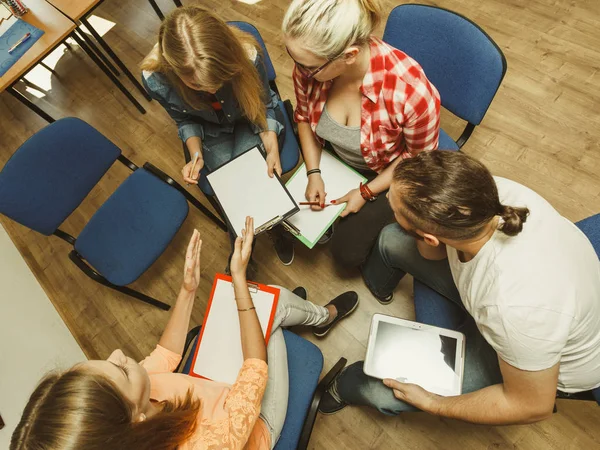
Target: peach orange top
{"points": [[229, 415]]}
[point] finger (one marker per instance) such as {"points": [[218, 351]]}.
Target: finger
{"points": [[237, 246], [249, 234], [270, 170], [278, 169], [190, 180], [196, 174], [189, 254], [391, 383]]}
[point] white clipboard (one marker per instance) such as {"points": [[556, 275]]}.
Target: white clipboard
{"points": [[243, 188]]}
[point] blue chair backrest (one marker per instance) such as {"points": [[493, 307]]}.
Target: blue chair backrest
{"points": [[591, 228], [248, 28], [52, 172], [458, 57]]}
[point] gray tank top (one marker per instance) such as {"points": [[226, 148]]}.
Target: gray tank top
{"points": [[344, 140]]}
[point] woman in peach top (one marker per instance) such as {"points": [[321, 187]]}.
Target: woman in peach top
{"points": [[118, 404]]}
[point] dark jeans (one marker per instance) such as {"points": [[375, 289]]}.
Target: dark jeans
{"points": [[394, 255], [218, 150], [356, 234]]}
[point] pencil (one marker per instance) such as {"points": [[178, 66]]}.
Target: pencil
{"points": [[196, 156], [312, 204]]}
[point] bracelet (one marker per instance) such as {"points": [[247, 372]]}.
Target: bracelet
{"points": [[367, 193], [247, 309], [311, 171]]}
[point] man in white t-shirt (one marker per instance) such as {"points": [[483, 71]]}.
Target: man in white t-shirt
{"points": [[528, 278]]}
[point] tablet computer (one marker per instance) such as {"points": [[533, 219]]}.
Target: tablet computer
{"points": [[412, 352]]}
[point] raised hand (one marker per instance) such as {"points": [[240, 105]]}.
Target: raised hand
{"points": [[191, 269], [243, 249]]}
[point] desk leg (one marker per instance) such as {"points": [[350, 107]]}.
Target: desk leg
{"points": [[116, 59], [157, 10], [36, 109], [177, 3], [108, 73], [97, 51]]}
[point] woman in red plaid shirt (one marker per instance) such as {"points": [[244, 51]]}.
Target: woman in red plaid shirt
{"points": [[369, 101]]}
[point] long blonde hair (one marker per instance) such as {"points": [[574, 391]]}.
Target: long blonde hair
{"points": [[193, 42], [328, 27], [83, 410]]}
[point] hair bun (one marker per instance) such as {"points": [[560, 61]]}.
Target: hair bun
{"points": [[513, 218]]}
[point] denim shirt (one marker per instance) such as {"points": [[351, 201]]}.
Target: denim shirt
{"points": [[193, 122]]}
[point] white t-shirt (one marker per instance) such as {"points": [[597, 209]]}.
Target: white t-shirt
{"points": [[536, 296]]}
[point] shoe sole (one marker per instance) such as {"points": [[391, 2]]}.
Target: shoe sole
{"points": [[329, 329], [331, 413], [287, 263], [386, 302]]}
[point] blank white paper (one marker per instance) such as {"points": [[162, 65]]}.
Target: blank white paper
{"points": [[339, 179], [244, 188], [219, 356]]}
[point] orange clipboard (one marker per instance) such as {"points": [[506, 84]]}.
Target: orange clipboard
{"points": [[218, 354]]}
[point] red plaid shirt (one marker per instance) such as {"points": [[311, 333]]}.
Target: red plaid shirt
{"points": [[400, 107]]}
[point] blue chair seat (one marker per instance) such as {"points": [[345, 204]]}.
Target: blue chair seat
{"points": [[305, 362], [446, 142], [132, 228]]}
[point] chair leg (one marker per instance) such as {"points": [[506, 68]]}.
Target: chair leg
{"points": [[177, 3], [32, 106], [97, 51], [323, 385], [80, 263], [108, 73], [157, 10], [116, 59]]}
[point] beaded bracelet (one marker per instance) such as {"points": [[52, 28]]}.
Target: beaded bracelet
{"points": [[247, 309]]}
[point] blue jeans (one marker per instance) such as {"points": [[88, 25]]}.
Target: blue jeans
{"points": [[438, 304]]}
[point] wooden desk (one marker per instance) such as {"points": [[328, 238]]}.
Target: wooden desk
{"points": [[56, 29], [75, 9]]}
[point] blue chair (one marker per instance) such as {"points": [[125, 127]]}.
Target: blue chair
{"points": [[305, 363], [290, 153], [49, 176], [458, 57], [591, 228]]}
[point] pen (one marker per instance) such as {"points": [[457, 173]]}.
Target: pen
{"points": [[19, 42]]}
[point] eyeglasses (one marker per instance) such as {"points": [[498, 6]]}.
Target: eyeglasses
{"points": [[307, 71]]}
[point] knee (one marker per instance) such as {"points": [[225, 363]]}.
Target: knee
{"points": [[344, 249], [393, 243]]}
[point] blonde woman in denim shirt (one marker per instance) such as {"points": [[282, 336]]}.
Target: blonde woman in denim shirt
{"points": [[211, 79]]}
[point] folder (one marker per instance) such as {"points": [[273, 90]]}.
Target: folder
{"points": [[339, 179], [11, 31], [243, 188], [218, 354]]}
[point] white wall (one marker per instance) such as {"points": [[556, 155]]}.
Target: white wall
{"points": [[33, 337]]}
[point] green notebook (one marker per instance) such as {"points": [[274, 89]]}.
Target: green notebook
{"points": [[339, 178]]}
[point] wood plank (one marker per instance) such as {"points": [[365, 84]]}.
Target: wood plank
{"points": [[541, 130]]}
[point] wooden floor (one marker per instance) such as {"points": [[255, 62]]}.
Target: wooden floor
{"points": [[543, 130]]}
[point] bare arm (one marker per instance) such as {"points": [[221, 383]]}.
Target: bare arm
{"points": [[253, 341], [194, 145], [173, 338], [311, 152], [524, 397]]}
